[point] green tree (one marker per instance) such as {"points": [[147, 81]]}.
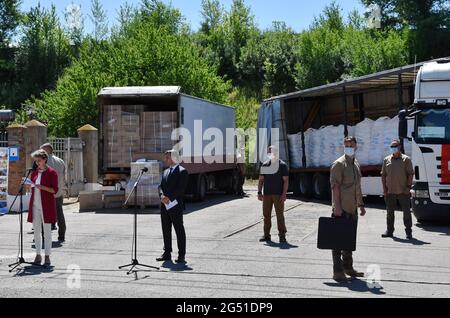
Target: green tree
{"points": [[147, 53], [223, 36], [320, 50], [100, 20], [280, 44], [42, 54], [429, 21], [126, 14], [333, 49], [212, 16], [74, 25], [268, 61], [9, 21]]}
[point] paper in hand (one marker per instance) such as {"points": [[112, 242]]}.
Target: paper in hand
{"points": [[28, 181], [171, 205]]}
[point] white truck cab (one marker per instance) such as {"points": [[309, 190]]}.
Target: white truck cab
{"points": [[430, 141]]}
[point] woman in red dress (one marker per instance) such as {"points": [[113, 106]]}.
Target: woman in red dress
{"points": [[42, 210]]}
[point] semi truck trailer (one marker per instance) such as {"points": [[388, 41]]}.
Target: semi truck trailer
{"points": [[417, 96], [138, 123]]}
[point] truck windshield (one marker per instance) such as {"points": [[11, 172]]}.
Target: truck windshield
{"points": [[433, 126]]}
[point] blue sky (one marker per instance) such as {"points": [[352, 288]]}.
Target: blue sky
{"points": [[296, 13]]}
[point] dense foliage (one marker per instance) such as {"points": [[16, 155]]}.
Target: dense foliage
{"points": [[53, 72]]}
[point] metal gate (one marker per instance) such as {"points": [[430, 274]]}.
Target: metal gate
{"points": [[71, 151]]}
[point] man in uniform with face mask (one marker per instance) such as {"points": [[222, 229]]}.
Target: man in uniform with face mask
{"points": [[397, 175], [345, 179]]}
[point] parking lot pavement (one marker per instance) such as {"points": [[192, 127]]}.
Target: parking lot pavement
{"points": [[225, 258]]}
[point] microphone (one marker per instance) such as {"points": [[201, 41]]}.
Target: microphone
{"points": [[145, 170]]}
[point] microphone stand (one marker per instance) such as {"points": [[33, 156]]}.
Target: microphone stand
{"points": [[21, 259], [134, 260]]}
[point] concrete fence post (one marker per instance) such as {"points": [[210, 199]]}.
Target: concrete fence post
{"points": [[89, 135], [35, 136]]}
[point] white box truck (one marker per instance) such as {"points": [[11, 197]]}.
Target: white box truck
{"points": [[430, 117], [137, 123]]}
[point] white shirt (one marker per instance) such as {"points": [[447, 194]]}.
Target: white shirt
{"points": [[37, 201]]}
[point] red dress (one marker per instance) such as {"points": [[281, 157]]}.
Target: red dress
{"points": [[49, 179]]}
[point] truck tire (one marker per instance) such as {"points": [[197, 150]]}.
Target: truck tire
{"points": [[200, 188], [305, 185], [321, 188]]}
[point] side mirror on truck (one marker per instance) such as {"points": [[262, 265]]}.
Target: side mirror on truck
{"points": [[403, 124]]}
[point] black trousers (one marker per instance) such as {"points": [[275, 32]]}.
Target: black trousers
{"points": [[173, 217], [61, 219]]}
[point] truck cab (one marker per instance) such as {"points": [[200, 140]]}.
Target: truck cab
{"points": [[430, 139]]}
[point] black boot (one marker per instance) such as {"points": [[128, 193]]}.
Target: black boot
{"points": [[409, 235]]}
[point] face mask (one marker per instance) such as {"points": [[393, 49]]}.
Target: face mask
{"points": [[394, 150], [270, 157], [349, 151]]}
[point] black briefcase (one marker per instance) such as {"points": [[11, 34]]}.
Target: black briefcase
{"points": [[337, 234]]}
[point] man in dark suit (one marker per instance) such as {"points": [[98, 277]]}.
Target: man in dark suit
{"points": [[171, 192]]}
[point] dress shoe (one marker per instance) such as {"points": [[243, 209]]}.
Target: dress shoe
{"points": [[354, 274], [164, 258], [47, 262], [181, 260], [265, 239], [340, 277], [38, 260], [388, 235]]}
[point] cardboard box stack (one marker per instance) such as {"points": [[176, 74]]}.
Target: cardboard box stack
{"points": [[122, 136], [156, 131], [130, 137], [129, 130], [148, 193]]}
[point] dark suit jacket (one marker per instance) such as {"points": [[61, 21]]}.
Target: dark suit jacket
{"points": [[174, 186]]}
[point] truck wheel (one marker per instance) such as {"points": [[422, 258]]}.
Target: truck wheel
{"points": [[201, 188], [321, 186], [305, 185]]}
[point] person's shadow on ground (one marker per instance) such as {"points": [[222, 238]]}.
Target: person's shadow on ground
{"points": [[360, 286], [414, 241], [34, 270], [282, 246], [174, 267]]}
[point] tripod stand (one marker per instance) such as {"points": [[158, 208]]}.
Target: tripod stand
{"points": [[134, 260], [20, 259]]}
